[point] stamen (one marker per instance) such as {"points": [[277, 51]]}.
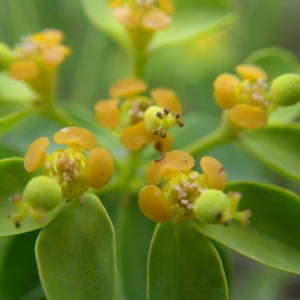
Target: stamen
{"points": [[159, 114], [166, 111]]}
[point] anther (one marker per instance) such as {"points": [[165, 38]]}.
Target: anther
{"points": [[218, 216], [166, 111], [163, 134], [180, 123], [177, 115], [159, 114]]}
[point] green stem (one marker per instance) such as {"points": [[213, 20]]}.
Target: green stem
{"points": [[225, 133], [52, 110], [58, 114], [139, 62], [129, 172]]}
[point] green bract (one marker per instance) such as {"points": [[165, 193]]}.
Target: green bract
{"points": [[76, 253], [5, 56], [276, 146], [183, 264]]}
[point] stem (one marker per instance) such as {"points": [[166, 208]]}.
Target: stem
{"points": [[52, 110], [139, 62], [129, 172], [59, 115], [225, 133]]}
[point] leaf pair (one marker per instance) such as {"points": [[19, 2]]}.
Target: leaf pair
{"points": [[183, 264], [75, 250]]}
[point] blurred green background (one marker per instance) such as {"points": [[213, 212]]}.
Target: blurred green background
{"points": [[96, 62]]}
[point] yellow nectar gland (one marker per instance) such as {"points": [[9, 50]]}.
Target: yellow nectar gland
{"points": [[159, 120]]}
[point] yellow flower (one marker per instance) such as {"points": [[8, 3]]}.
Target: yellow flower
{"points": [[37, 57], [140, 120], [82, 164], [245, 99], [181, 188], [149, 14], [142, 18]]}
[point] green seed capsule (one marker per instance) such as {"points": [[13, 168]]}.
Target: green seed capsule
{"points": [[6, 56], [285, 89], [42, 192], [152, 119], [211, 206]]}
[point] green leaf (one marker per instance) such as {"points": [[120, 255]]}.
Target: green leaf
{"points": [[191, 19], [272, 238], [100, 15], [11, 120], [183, 264], [275, 61], [13, 180], [134, 233], [283, 115], [12, 90], [76, 253], [276, 146], [19, 255]]}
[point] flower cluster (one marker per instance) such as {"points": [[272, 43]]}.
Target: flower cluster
{"points": [[186, 194], [142, 17], [138, 119], [81, 165], [37, 57], [245, 99]]}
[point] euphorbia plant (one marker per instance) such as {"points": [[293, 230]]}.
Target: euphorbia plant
{"points": [[84, 252]]}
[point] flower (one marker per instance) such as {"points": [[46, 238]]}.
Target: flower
{"points": [[138, 119], [245, 99], [81, 165], [142, 18], [37, 57], [184, 191]]}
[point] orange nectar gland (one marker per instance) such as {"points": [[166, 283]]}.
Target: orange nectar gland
{"points": [[245, 98], [81, 165], [186, 194]]}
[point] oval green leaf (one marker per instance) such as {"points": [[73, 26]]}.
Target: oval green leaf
{"points": [[284, 115], [12, 90], [275, 61], [134, 233], [76, 253], [183, 264], [13, 180], [276, 146], [272, 238], [191, 19], [11, 120], [18, 255]]}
